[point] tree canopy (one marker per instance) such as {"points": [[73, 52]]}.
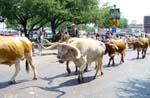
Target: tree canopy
{"points": [[35, 14]]}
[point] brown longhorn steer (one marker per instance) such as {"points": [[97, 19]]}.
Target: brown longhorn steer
{"points": [[141, 45], [113, 47]]}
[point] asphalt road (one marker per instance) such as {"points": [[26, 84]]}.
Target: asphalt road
{"points": [[128, 80]]}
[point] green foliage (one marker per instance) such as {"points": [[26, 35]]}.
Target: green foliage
{"points": [[123, 23], [35, 14], [104, 21]]}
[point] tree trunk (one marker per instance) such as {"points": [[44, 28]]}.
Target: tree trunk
{"points": [[25, 29], [53, 28]]}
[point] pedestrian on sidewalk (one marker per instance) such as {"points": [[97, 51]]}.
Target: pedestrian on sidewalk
{"points": [[41, 41]]}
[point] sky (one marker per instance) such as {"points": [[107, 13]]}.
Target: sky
{"points": [[133, 10]]}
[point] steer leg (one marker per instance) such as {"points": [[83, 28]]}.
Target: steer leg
{"points": [[17, 69], [109, 61], [76, 71], [113, 61], [29, 60], [96, 69], [33, 68], [80, 74], [144, 53], [87, 64], [138, 54], [80, 77], [95, 65], [67, 67], [122, 58], [99, 67]]}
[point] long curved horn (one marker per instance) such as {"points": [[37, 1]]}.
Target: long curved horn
{"points": [[55, 46], [52, 45], [48, 42]]}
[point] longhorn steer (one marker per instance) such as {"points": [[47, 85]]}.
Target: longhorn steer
{"points": [[141, 45], [113, 47], [13, 50], [82, 52]]}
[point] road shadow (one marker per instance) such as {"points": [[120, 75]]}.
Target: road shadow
{"points": [[135, 89], [111, 65], [71, 82], [147, 53], [58, 87], [6, 84], [135, 59]]}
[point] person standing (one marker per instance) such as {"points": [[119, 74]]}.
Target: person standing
{"points": [[40, 40], [73, 32]]}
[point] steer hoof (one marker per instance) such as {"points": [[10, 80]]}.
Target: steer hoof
{"points": [[85, 70], [121, 62], [80, 80], [69, 71], [76, 72], [94, 77], [12, 82], [143, 57], [102, 73], [35, 78]]}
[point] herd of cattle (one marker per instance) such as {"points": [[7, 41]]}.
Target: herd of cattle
{"points": [[81, 51]]}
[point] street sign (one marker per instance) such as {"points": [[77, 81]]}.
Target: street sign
{"points": [[113, 30], [114, 23], [114, 13]]}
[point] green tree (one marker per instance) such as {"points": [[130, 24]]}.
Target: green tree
{"points": [[23, 12], [123, 23], [34, 14], [104, 21], [75, 11]]}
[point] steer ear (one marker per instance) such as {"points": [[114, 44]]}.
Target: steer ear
{"points": [[76, 52]]}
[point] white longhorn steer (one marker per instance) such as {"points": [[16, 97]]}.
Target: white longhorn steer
{"points": [[82, 51], [13, 50]]}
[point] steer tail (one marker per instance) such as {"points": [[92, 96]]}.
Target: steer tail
{"points": [[27, 66]]}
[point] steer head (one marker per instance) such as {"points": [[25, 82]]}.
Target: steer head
{"points": [[67, 52], [110, 48]]}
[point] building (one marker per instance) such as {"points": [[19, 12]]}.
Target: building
{"points": [[147, 24]]}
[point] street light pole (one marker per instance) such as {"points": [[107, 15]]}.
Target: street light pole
{"points": [[114, 11]]}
